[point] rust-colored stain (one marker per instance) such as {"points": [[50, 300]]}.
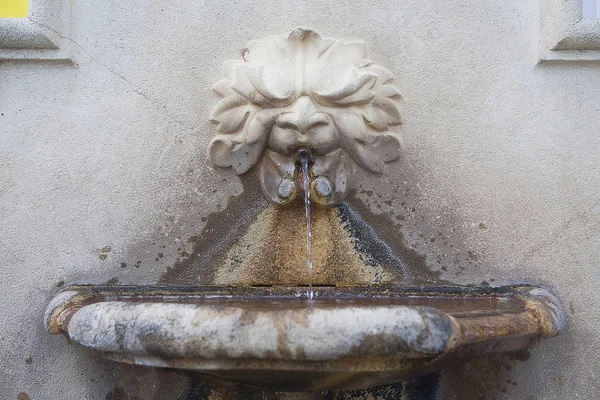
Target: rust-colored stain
{"points": [[273, 252], [103, 252], [253, 243]]}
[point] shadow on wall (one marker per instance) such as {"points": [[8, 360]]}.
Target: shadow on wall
{"points": [[423, 388]]}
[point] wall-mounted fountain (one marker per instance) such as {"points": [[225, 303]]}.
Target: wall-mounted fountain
{"points": [[305, 296]]}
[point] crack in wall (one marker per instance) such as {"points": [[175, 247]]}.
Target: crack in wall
{"points": [[136, 89]]}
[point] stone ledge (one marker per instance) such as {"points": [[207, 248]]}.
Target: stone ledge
{"points": [[566, 35]]}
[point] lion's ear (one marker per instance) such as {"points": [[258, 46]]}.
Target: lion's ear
{"points": [[235, 152], [355, 91], [382, 111], [379, 150], [370, 150], [260, 87], [230, 113], [243, 150]]}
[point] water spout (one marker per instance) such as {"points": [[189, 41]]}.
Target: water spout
{"points": [[304, 156]]}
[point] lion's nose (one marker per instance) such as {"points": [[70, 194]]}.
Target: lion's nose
{"points": [[303, 117]]}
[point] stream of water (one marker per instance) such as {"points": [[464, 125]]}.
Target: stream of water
{"points": [[304, 159]]}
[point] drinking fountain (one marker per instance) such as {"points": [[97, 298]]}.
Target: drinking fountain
{"points": [[305, 296]]}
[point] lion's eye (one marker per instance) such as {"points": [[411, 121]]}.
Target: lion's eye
{"points": [[318, 124], [287, 125]]}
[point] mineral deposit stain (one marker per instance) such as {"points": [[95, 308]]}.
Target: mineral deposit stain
{"points": [[221, 231], [113, 281], [375, 238], [273, 251], [23, 396]]}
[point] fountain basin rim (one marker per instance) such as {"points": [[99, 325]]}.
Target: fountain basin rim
{"points": [[271, 337]]}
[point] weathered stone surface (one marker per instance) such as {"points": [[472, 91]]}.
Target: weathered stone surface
{"points": [[347, 338], [500, 168], [171, 331]]}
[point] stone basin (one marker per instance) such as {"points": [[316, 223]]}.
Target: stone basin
{"points": [[347, 338]]}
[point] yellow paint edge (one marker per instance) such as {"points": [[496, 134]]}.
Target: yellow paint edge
{"points": [[14, 8]]}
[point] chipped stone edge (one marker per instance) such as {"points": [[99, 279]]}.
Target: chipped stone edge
{"points": [[55, 316], [548, 310]]}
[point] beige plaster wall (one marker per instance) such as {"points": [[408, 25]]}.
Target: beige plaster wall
{"points": [[103, 162]]}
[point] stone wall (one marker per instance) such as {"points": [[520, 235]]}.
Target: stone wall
{"points": [[104, 174]]}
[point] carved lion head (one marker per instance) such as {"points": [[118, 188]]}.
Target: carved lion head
{"points": [[301, 91]]}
